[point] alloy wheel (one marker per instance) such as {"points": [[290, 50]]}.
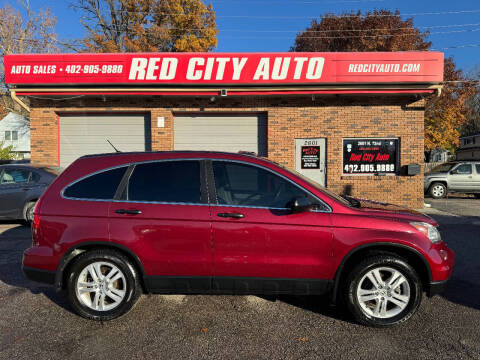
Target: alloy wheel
{"points": [[383, 292], [101, 286]]}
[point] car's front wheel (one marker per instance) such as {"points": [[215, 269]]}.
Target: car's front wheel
{"points": [[383, 290], [102, 285]]}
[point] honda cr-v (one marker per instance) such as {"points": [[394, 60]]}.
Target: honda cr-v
{"points": [[113, 226]]}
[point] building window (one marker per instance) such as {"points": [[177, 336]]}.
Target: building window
{"points": [[14, 135], [8, 135]]}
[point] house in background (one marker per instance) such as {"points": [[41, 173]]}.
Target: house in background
{"points": [[15, 130], [469, 148]]}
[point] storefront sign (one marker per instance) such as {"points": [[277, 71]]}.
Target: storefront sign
{"points": [[370, 156], [224, 68], [310, 157]]}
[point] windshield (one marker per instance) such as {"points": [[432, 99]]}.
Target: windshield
{"points": [[340, 199], [443, 168]]}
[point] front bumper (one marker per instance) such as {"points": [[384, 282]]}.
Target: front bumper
{"points": [[43, 276]]}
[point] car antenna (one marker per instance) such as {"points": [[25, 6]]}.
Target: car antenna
{"points": [[113, 146]]}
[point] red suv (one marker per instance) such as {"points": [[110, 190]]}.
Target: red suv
{"points": [[116, 225]]}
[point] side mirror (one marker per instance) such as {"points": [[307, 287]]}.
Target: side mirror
{"points": [[300, 204], [453, 172]]}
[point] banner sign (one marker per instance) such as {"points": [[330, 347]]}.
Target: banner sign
{"points": [[310, 157], [225, 68], [371, 156]]}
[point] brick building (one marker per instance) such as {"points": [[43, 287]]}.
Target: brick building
{"points": [[347, 121]]}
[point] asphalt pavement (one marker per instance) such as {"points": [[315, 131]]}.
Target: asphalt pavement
{"points": [[37, 323]]}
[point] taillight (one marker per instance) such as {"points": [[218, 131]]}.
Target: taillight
{"points": [[36, 209], [36, 221]]}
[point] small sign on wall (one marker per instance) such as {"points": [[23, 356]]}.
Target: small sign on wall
{"points": [[310, 158]]}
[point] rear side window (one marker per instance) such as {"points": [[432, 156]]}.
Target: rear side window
{"points": [[168, 181], [15, 176], [477, 166], [101, 186]]}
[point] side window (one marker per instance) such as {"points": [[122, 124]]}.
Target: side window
{"points": [[166, 181], [477, 166], [15, 176], [464, 169], [101, 186], [246, 185]]}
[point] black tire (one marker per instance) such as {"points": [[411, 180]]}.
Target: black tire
{"points": [[28, 211], [132, 283], [386, 261], [438, 190]]}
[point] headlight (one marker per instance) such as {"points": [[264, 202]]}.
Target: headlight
{"points": [[428, 230]]}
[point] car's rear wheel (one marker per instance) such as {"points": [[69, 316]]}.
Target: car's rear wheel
{"points": [[102, 285], [438, 190], [383, 290]]}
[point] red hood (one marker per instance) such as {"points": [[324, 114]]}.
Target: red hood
{"points": [[376, 208]]}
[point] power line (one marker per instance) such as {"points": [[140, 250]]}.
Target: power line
{"points": [[310, 16], [360, 36], [457, 47], [298, 2], [341, 30], [314, 37]]}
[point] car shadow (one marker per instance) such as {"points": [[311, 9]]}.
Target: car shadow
{"points": [[13, 242]]}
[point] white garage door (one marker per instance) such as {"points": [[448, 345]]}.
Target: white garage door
{"points": [[88, 134], [221, 133]]}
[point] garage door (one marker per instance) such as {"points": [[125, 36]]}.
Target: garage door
{"points": [[88, 134], [221, 133]]}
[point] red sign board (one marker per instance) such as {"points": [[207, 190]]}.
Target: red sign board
{"points": [[225, 68]]}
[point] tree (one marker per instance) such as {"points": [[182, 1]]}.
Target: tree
{"points": [[147, 25], [472, 126], [33, 32], [6, 152], [382, 30], [21, 32], [447, 114]]}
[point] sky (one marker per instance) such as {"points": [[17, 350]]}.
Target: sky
{"points": [[271, 25]]}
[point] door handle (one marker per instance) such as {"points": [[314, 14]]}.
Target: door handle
{"points": [[231, 215], [129, 212]]}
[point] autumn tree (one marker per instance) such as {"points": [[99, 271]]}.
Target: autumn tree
{"points": [[447, 114], [383, 30], [380, 30], [24, 31], [147, 25], [472, 126]]}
